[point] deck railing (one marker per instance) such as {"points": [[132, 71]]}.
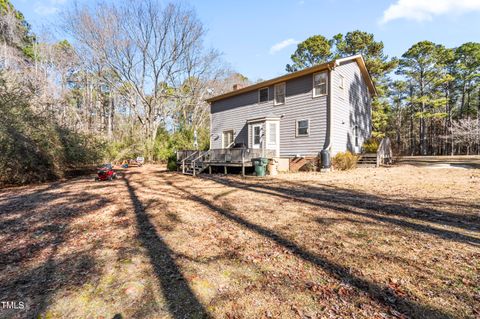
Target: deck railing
{"points": [[199, 160], [236, 155], [184, 154]]}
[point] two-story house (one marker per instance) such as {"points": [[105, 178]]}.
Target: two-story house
{"points": [[327, 106]]}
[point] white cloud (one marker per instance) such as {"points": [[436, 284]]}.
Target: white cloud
{"points": [[48, 7], [282, 45], [44, 10], [425, 10]]}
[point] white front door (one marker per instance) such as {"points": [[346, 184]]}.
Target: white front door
{"points": [[256, 135]]}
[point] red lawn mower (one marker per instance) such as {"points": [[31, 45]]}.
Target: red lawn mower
{"points": [[106, 173]]}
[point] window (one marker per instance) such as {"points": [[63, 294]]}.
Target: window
{"points": [[227, 139], [272, 138], [355, 135], [341, 86], [303, 127], [279, 93], [263, 95], [320, 84], [257, 135]]}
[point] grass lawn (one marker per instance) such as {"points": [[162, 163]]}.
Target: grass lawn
{"points": [[370, 243]]}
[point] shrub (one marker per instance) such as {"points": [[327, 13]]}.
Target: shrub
{"points": [[371, 145], [166, 143], [172, 162], [344, 161], [33, 147]]}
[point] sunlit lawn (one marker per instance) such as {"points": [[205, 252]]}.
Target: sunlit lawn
{"points": [[370, 243]]}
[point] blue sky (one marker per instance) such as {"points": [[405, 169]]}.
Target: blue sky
{"points": [[258, 37]]}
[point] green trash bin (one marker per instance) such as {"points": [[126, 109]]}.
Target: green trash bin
{"points": [[260, 165]]}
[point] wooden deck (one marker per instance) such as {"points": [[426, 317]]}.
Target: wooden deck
{"points": [[194, 162]]}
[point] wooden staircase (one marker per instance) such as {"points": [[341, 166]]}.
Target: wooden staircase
{"points": [[367, 160], [194, 163], [193, 168], [383, 156]]}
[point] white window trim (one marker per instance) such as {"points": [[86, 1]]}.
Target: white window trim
{"points": [[284, 84], [223, 137], [269, 133], [268, 95], [296, 128], [313, 84]]}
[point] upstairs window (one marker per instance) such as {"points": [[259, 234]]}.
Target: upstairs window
{"points": [[279, 94], [341, 81], [303, 127], [263, 95], [320, 83], [341, 86]]}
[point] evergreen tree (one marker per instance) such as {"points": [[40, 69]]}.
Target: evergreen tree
{"points": [[317, 49]]}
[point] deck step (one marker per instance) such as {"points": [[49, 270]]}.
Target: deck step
{"points": [[367, 160]]}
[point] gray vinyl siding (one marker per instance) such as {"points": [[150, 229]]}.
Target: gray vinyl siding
{"points": [[349, 108], [233, 113]]}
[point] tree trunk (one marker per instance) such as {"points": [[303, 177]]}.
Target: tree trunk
{"points": [[448, 123], [422, 119], [109, 115], [462, 103], [478, 122], [412, 140], [422, 131]]}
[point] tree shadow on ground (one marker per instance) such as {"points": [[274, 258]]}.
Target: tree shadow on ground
{"points": [[365, 205], [181, 301], [377, 292], [42, 218], [404, 207]]}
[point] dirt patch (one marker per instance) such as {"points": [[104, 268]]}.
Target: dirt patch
{"points": [[370, 243]]}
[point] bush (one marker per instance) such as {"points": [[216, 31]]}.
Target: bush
{"points": [[371, 145], [172, 162], [80, 149], [33, 147], [344, 161]]}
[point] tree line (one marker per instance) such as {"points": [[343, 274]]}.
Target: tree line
{"points": [[131, 80], [428, 99]]}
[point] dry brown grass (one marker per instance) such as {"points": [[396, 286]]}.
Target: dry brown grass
{"points": [[369, 243]]}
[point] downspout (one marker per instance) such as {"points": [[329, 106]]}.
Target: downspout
{"points": [[328, 145]]}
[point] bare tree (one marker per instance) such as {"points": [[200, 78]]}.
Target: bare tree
{"points": [[152, 51], [466, 133], [10, 40]]}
